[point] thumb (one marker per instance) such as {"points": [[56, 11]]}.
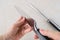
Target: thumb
{"points": [[50, 34]]}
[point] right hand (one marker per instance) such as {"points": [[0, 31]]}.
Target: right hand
{"points": [[19, 29], [50, 34]]}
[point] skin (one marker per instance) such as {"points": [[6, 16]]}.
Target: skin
{"points": [[19, 29], [23, 26], [51, 34]]}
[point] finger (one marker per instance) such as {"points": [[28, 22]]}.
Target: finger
{"points": [[50, 34], [35, 39], [20, 22], [35, 36], [20, 18], [27, 28]]}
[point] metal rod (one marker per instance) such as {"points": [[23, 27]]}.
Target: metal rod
{"points": [[39, 11]]}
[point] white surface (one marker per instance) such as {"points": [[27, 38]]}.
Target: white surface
{"points": [[8, 13]]}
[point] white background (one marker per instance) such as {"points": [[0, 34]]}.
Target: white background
{"points": [[9, 14]]}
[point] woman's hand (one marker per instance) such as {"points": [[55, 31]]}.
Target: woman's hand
{"points": [[51, 34], [19, 29]]}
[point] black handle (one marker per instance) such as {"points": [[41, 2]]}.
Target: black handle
{"points": [[57, 27]]}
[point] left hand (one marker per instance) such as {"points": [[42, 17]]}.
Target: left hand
{"points": [[20, 28]]}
